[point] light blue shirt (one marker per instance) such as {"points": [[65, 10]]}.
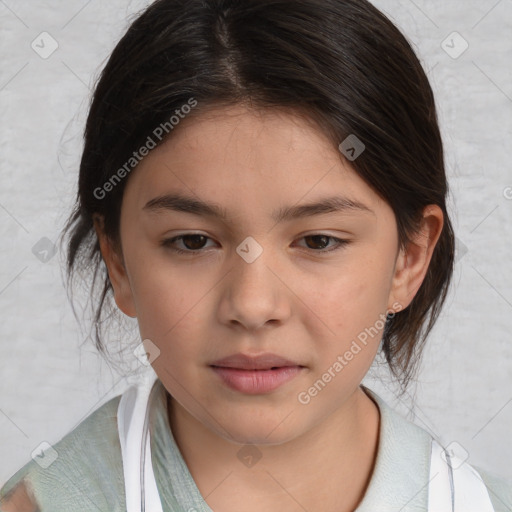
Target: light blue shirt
{"points": [[88, 472]]}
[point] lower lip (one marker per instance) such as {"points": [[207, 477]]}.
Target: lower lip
{"points": [[255, 382]]}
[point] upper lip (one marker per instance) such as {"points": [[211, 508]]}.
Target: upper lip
{"points": [[260, 362]]}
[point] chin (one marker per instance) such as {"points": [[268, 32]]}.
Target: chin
{"points": [[246, 429]]}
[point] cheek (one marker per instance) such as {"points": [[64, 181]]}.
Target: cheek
{"points": [[169, 300], [345, 315], [355, 296]]}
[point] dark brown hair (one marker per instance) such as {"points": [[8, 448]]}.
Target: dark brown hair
{"points": [[341, 63]]}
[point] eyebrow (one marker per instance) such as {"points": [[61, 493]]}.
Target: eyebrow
{"points": [[186, 204]]}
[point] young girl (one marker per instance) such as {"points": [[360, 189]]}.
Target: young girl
{"points": [[264, 183]]}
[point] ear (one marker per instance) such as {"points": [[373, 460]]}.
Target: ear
{"points": [[413, 260], [116, 269]]}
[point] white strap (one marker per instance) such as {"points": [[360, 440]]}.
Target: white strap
{"points": [[132, 415], [455, 486]]}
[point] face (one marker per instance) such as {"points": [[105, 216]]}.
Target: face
{"points": [[258, 273]]}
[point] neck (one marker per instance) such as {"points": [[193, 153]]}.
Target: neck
{"points": [[333, 462]]}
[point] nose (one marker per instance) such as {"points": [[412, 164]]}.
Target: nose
{"points": [[254, 294]]}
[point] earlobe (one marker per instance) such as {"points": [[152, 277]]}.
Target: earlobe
{"points": [[414, 259], [116, 269]]}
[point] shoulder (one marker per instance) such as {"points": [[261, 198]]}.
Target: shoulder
{"points": [[405, 448], [81, 471], [499, 489]]}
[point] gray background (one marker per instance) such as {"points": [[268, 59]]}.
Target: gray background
{"points": [[51, 376]]}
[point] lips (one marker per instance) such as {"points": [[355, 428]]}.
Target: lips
{"points": [[255, 375], [260, 362]]}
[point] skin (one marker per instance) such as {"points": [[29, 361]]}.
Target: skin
{"points": [[21, 500], [295, 300]]}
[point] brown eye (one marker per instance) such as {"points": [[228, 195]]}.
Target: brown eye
{"points": [[191, 243], [194, 242], [319, 243], [318, 240]]}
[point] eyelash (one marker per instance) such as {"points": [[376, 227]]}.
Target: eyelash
{"points": [[341, 243]]}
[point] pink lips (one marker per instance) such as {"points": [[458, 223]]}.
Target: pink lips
{"points": [[255, 374]]}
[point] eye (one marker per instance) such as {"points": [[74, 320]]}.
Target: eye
{"points": [[193, 243], [322, 240]]}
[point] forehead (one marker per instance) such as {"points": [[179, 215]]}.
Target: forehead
{"points": [[241, 158]]}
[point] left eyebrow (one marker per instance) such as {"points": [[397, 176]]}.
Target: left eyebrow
{"points": [[187, 204], [333, 204]]}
